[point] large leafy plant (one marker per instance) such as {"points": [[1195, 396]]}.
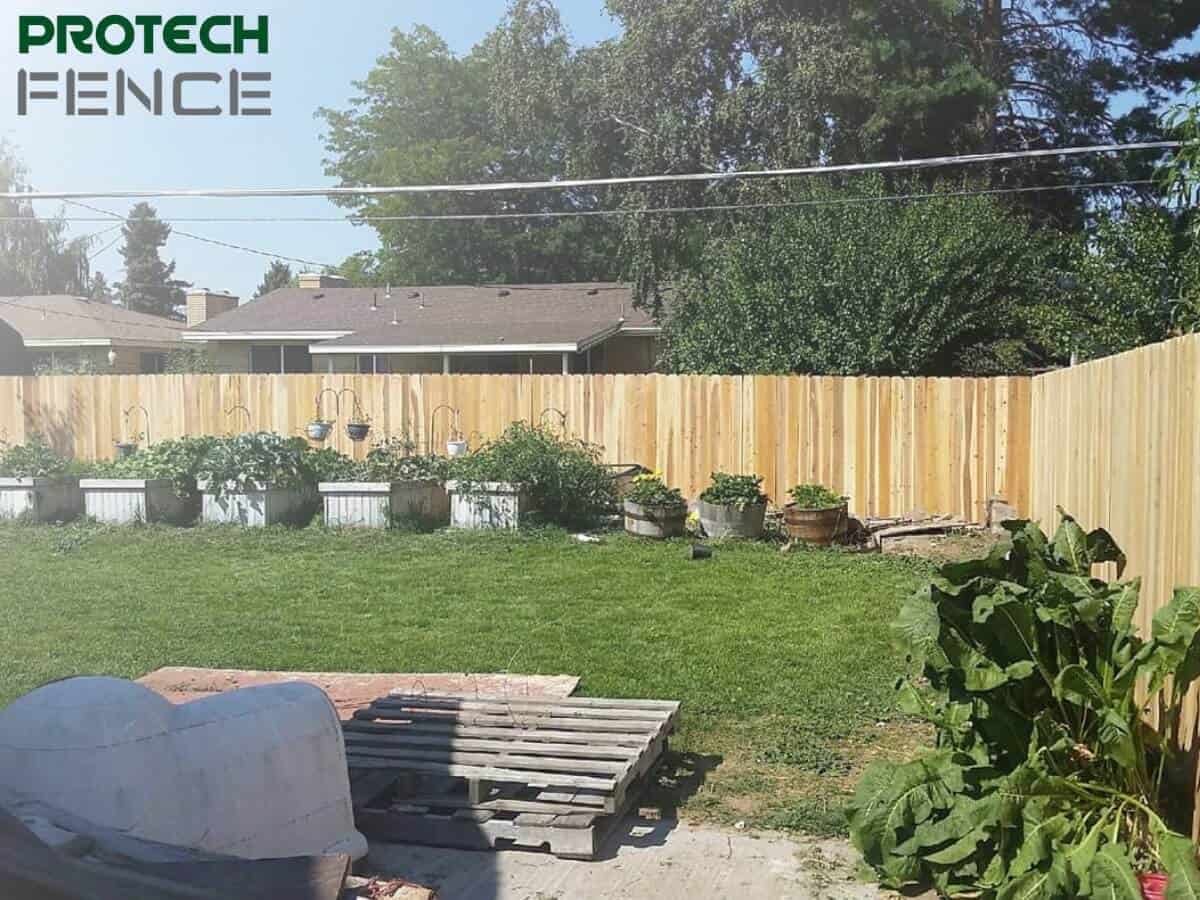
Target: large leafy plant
{"points": [[179, 460], [33, 459], [652, 490], [734, 490], [566, 481], [1047, 780], [244, 460]]}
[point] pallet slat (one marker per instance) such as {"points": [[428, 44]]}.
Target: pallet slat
{"points": [[484, 773], [528, 710], [475, 718], [582, 702], [536, 764], [364, 721], [534, 748]]}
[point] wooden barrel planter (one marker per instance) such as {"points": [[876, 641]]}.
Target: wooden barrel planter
{"points": [[657, 522], [821, 527], [721, 520]]}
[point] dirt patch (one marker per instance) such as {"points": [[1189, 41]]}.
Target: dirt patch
{"points": [[348, 691], [943, 548]]}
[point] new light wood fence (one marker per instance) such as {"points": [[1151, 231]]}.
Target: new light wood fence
{"points": [[892, 445]]}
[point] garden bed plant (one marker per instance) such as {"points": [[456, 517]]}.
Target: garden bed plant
{"points": [[37, 483], [1049, 778], [560, 477], [258, 479], [733, 506], [157, 483], [392, 487], [816, 515], [653, 509]]}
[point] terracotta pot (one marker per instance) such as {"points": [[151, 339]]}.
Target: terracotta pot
{"points": [[816, 526], [1154, 885], [657, 522]]}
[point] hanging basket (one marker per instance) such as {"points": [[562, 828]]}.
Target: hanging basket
{"points": [[125, 449], [358, 431], [318, 431], [456, 448]]}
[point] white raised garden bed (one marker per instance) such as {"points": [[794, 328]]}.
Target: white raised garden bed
{"points": [[379, 504], [126, 501], [488, 504], [40, 499], [254, 505]]}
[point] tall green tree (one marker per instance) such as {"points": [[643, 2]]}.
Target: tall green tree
{"points": [[150, 285], [35, 255], [99, 290], [278, 275], [928, 287]]}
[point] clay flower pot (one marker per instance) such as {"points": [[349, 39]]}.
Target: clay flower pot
{"points": [[1154, 885], [821, 527]]}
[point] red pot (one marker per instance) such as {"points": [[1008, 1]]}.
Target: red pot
{"points": [[1154, 887]]}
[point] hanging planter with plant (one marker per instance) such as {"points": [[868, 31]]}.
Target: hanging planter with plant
{"points": [[733, 506], [654, 510], [816, 515], [318, 428]]}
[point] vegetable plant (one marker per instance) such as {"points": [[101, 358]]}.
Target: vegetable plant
{"points": [[566, 481], [651, 490], [815, 496], [33, 459], [179, 460], [734, 490], [257, 458], [1047, 779], [396, 459]]}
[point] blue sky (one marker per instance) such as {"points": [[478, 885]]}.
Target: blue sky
{"points": [[317, 49]]}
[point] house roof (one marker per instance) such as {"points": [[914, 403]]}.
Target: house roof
{"points": [[519, 318], [59, 320]]}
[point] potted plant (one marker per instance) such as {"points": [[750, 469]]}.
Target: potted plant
{"points": [[257, 479], [358, 427], [318, 430], [816, 515], [36, 484], [392, 487], [157, 484], [456, 447], [127, 448], [1048, 778], [733, 506], [654, 510]]}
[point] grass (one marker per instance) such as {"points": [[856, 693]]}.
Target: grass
{"points": [[783, 662]]}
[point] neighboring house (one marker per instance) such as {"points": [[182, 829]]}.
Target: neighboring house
{"points": [[324, 326], [14, 358], [62, 332]]}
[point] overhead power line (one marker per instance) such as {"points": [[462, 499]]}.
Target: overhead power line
{"points": [[585, 213], [563, 184]]}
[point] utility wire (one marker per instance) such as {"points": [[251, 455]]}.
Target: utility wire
{"points": [[563, 184], [583, 213]]}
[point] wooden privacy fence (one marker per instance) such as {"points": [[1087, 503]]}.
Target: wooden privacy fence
{"points": [[891, 444]]}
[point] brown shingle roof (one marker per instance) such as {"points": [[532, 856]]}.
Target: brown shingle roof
{"points": [[440, 316], [66, 319]]}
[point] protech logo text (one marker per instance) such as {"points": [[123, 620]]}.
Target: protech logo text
{"points": [[102, 93]]}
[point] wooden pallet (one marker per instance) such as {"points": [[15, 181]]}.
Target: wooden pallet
{"points": [[483, 772]]}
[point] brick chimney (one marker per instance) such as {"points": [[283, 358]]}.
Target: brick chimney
{"points": [[316, 281], [203, 304]]}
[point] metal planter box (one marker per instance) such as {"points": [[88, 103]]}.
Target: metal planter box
{"points": [[721, 520], [489, 504], [127, 501], [255, 505], [40, 499], [380, 504]]}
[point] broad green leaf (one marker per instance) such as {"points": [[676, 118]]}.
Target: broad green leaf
{"points": [[1048, 883], [1179, 859], [1102, 548], [1178, 621], [1116, 737], [980, 673], [1070, 546], [1037, 839], [1112, 875], [918, 626], [1125, 605], [1079, 686], [1081, 856]]}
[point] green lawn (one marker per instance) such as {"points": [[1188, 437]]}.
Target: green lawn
{"points": [[783, 662]]}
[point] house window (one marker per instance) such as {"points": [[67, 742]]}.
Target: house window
{"points": [[152, 363], [275, 359]]}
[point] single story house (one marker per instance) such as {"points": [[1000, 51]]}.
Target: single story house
{"points": [[325, 326], [60, 331]]}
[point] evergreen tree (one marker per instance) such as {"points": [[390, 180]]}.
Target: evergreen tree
{"points": [[278, 275], [99, 290], [150, 285]]}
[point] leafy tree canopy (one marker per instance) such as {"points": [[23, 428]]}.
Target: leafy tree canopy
{"points": [[35, 255], [278, 275]]}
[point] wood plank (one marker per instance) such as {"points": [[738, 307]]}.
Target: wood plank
{"points": [[668, 706], [625, 727], [490, 773], [504, 760], [534, 748], [432, 801], [540, 710], [366, 722]]}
